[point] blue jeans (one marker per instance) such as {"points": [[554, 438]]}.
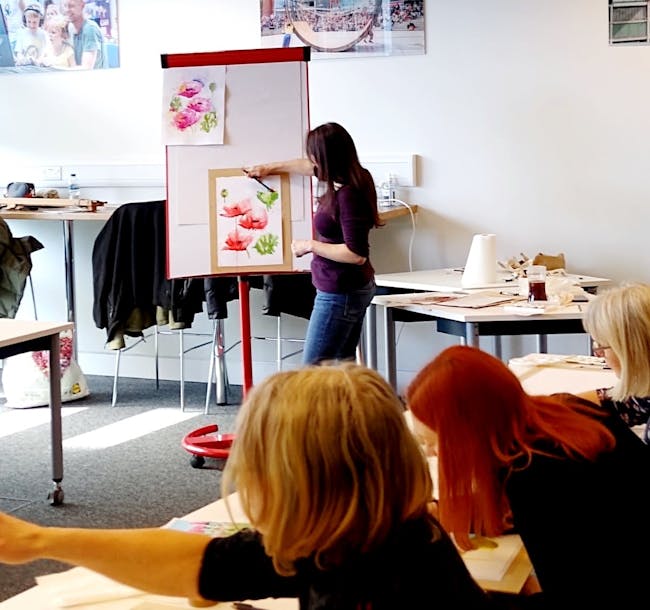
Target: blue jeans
{"points": [[335, 324]]}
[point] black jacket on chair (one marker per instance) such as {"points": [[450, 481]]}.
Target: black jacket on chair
{"points": [[15, 267], [129, 273]]}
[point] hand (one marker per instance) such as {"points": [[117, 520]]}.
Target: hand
{"points": [[258, 171], [301, 247], [17, 540]]}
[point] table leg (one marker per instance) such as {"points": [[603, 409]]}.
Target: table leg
{"points": [[389, 347], [68, 249], [245, 327], [471, 334], [56, 495], [497, 347], [542, 344], [370, 324]]}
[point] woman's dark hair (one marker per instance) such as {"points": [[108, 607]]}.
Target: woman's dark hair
{"points": [[333, 151]]}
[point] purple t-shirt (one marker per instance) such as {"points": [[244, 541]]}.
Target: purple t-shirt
{"points": [[348, 220]]}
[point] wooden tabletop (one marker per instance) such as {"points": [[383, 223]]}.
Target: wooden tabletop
{"points": [[388, 213], [17, 331], [103, 213]]}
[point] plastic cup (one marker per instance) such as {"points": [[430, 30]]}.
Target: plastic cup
{"points": [[536, 283]]}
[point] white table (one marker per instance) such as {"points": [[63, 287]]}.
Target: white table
{"points": [[449, 280], [470, 324], [19, 336], [465, 325], [67, 219]]}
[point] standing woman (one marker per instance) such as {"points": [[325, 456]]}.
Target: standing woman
{"points": [[341, 270]]}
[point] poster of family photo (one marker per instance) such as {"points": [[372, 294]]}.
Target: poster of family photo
{"points": [[58, 35]]}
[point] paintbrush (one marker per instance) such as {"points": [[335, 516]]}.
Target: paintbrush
{"points": [[266, 186]]}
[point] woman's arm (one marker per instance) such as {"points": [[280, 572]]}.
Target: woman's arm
{"points": [[303, 167], [160, 561], [336, 252]]}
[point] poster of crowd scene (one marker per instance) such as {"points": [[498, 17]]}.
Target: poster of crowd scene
{"points": [[58, 35], [345, 28]]}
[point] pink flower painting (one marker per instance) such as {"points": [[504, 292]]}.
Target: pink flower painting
{"points": [[186, 118], [193, 106], [254, 219], [237, 240], [239, 208], [200, 104], [190, 88], [187, 108], [247, 223]]}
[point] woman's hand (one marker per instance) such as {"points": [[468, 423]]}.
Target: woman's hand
{"points": [[259, 171], [303, 167], [300, 247]]}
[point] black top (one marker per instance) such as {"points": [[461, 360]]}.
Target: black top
{"points": [[418, 567], [348, 221], [584, 523]]}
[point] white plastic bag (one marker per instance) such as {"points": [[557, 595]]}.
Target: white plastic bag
{"points": [[26, 378]]}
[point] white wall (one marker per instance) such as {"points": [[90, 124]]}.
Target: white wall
{"points": [[526, 122]]}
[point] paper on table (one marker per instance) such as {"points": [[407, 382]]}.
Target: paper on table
{"points": [[82, 587], [571, 361], [419, 298], [478, 300], [492, 563]]}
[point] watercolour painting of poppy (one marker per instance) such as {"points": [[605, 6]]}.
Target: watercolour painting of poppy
{"points": [[250, 222]]}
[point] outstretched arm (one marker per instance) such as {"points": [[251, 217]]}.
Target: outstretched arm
{"points": [[160, 561], [293, 166]]}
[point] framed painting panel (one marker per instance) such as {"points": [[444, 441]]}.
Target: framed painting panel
{"points": [[250, 223]]}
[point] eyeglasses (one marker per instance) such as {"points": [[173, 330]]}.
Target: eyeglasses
{"points": [[599, 350]]}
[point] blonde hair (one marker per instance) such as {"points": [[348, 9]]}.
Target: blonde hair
{"points": [[620, 319], [60, 23], [325, 464]]}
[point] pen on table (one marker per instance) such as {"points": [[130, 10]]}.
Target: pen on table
{"points": [[266, 186], [245, 606]]}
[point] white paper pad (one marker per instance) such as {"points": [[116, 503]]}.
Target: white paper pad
{"points": [[492, 563]]}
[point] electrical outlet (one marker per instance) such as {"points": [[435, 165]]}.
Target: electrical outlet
{"points": [[51, 173]]}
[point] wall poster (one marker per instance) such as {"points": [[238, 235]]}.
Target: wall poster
{"points": [[250, 222], [58, 35], [344, 28]]}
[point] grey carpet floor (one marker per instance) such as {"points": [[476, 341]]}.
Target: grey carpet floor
{"points": [[142, 482]]}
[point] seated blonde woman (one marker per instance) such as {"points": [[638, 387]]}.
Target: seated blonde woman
{"points": [[618, 321], [335, 487]]}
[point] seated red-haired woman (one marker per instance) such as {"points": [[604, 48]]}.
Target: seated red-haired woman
{"points": [[567, 475]]}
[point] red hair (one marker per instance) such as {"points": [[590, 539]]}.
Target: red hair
{"points": [[487, 425]]}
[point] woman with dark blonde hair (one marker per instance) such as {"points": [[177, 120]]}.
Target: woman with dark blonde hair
{"points": [[341, 270], [567, 475], [618, 321], [336, 489]]}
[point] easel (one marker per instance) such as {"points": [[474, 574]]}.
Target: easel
{"points": [[266, 118]]}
